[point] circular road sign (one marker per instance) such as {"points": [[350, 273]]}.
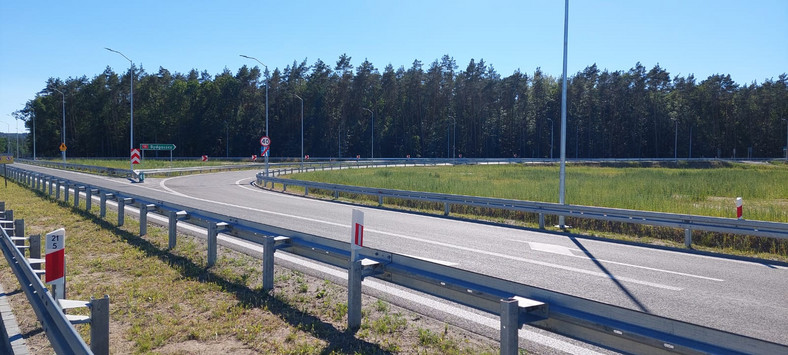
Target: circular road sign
{"points": [[265, 141]]}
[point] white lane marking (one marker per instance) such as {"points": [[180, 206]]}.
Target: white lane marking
{"points": [[411, 297], [549, 248], [499, 255], [562, 250], [435, 261], [536, 262]]}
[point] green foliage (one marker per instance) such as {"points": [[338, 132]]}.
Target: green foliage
{"points": [[430, 110], [710, 192]]}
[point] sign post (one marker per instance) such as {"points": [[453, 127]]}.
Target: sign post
{"points": [[56, 262], [5, 160], [265, 142], [356, 234]]}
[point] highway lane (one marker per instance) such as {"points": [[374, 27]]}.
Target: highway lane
{"points": [[738, 296]]}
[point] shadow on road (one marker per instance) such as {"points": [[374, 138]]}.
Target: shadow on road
{"points": [[612, 277]]}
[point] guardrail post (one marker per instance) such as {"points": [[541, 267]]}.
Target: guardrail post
{"points": [[284, 187], [541, 220], [76, 195], [268, 264], [213, 231], [89, 198], [688, 238], [144, 218], [510, 312], [122, 201], [103, 204], [66, 192], [354, 295], [445, 208], [380, 200], [57, 190], [19, 232], [99, 325], [35, 250], [49, 182], [306, 191]]}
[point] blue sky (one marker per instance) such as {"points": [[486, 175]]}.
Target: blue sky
{"points": [[43, 39]]}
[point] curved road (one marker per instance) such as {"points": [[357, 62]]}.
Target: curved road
{"points": [[744, 297]]}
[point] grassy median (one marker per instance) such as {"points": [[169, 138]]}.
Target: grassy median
{"points": [[708, 189], [166, 302]]}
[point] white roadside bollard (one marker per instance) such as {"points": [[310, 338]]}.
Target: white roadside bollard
{"points": [[739, 208], [55, 260]]}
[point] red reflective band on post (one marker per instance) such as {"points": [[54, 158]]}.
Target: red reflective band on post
{"points": [[739, 208], [55, 262], [359, 233]]}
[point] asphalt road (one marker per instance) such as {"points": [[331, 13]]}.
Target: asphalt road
{"points": [[744, 297]]}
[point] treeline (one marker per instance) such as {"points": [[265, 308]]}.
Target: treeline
{"points": [[439, 111]]}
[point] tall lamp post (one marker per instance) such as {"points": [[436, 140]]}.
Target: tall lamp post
{"points": [[551, 137], [562, 177], [8, 138], [17, 137], [34, 131], [302, 130], [372, 155], [786, 138], [676, 142], [131, 100], [63, 135], [266, 104], [454, 138]]}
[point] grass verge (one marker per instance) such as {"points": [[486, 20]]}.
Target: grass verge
{"points": [[709, 189], [166, 302]]}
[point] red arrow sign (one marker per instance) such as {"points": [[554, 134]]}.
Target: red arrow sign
{"points": [[135, 156]]}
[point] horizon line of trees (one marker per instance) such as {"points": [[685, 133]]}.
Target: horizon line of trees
{"points": [[437, 112]]}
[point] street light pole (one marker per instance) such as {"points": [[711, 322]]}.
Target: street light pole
{"points": [[373, 132], [551, 137], [786, 138], [676, 143], [454, 138], [8, 138], [34, 133], [131, 104], [302, 130], [64, 127], [266, 105], [17, 138], [562, 177]]}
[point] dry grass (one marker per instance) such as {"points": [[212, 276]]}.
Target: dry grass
{"points": [[167, 302]]}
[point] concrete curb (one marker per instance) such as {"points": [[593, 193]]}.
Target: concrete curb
{"points": [[12, 342]]}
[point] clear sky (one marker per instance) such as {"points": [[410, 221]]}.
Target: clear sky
{"points": [[747, 39]]}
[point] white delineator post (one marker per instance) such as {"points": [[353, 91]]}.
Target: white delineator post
{"points": [[354, 271], [356, 234], [56, 262], [739, 208]]}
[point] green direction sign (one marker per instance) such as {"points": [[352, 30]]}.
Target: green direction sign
{"points": [[148, 146]]}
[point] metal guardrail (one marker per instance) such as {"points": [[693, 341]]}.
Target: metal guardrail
{"points": [[62, 335], [517, 304], [681, 221]]}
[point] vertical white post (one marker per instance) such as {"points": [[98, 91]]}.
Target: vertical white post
{"points": [[55, 260], [354, 271]]}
